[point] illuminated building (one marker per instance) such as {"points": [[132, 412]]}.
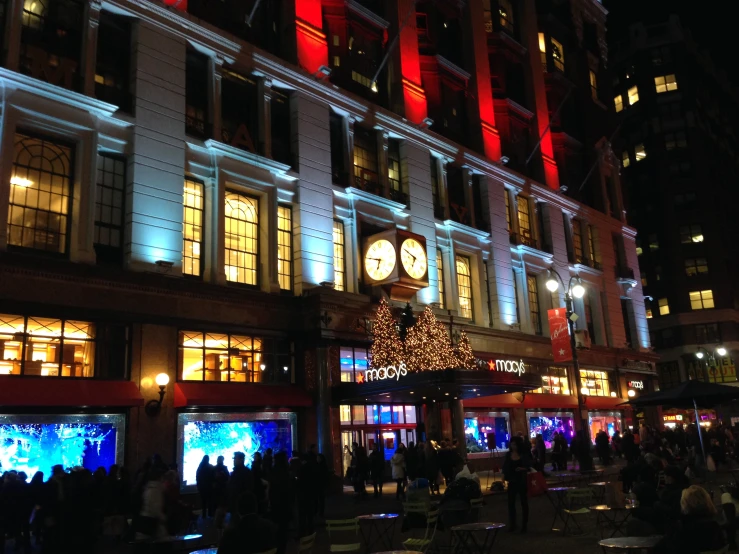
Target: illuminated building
{"points": [[182, 192]]}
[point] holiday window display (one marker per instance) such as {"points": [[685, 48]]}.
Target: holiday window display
{"points": [[548, 424]]}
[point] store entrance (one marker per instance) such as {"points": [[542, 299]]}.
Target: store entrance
{"points": [[386, 438]]}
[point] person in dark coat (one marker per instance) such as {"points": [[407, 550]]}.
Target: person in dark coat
{"points": [[323, 476], [697, 530], [377, 469], [205, 478], [267, 463], [541, 453], [281, 498], [240, 482], [602, 447], [411, 462], [361, 472], [431, 464], [251, 533], [515, 468]]}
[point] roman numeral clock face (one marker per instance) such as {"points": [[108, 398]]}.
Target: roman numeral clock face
{"points": [[379, 261], [413, 258]]}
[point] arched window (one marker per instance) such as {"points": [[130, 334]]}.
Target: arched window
{"points": [[464, 286], [40, 190], [242, 238]]}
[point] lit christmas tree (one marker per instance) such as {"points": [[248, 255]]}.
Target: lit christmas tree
{"points": [[427, 345], [387, 348], [465, 358]]}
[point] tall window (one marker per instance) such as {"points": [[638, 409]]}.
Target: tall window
{"points": [[691, 233], [707, 333], [398, 186], [593, 249], [695, 266], [242, 238], [464, 286], [664, 306], [40, 191], [515, 298], [109, 194], [339, 260], [440, 277], [192, 227], [281, 126], [436, 187], [701, 299], [239, 117], [596, 382], [639, 152], [336, 131], [524, 221], [625, 160], [365, 160], [354, 364], [593, 85], [589, 319], [633, 94], [669, 375], [196, 95], [554, 381], [508, 223], [505, 11], [543, 50], [112, 69], [558, 54], [285, 247], [577, 241], [533, 287], [618, 102], [665, 83]]}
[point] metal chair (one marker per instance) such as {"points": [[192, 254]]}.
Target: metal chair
{"points": [[306, 544], [343, 527], [576, 505], [421, 545]]}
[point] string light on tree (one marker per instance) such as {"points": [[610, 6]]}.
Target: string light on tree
{"points": [[427, 345], [465, 358], [387, 348]]}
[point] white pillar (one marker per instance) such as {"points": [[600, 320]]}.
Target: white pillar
{"points": [[90, 43]]}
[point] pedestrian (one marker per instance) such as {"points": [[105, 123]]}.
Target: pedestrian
{"points": [[515, 468], [205, 479], [281, 498], [431, 463], [240, 481], [411, 461], [397, 463], [377, 469], [323, 475], [347, 461], [361, 470], [307, 492], [152, 520], [541, 453], [251, 533]]}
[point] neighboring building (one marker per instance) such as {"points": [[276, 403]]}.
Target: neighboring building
{"points": [[678, 114], [187, 194]]}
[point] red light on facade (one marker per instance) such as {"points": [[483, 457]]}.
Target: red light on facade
{"points": [[312, 45], [180, 5]]}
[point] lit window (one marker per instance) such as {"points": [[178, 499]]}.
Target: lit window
{"points": [[554, 381], [398, 186], [701, 299], [593, 246], [558, 55], [633, 94], [336, 40], [533, 287], [507, 210], [644, 281], [285, 247], [40, 193], [639, 152], [440, 277], [653, 242], [242, 238], [577, 242], [695, 266], [664, 306], [345, 414], [192, 227], [110, 193], [618, 102], [665, 83], [596, 382], [593, 85], [505, 10], [339, 259], [639, 250], [354, 363], [337, 61], [543, 50], [691, 233], [524, 220], [365, 160], [464, 286], [649, 313], [625, 160]]}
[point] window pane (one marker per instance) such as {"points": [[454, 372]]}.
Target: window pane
{"points": [[596, 382], [345, 413], [440, 277], [242, 238], [534, 303], [339, 264], [192, 227], [410, 414], [346, 356], [109, 200], [360, 364], [284, 247], [11, 344], [464, 285]]}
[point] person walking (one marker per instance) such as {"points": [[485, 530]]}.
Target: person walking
{"points": [[323, 477], [397, 463], [377, 469], [241, 481], [431, 465], [205, 478], [411, 461], [347, 461], [515, 468], [251, 533], [281, 498]]}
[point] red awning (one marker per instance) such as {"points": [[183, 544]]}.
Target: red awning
{"points": [[50, 391], [239, 394], [542, 402]]}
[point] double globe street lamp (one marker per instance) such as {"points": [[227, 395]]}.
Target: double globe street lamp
{"points": [[573, 289], [703, 354]]}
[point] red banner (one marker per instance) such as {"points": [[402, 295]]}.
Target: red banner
{"points": [[560, 333]]}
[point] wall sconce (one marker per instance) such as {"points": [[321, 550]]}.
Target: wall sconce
{"points": [[153, 407], [613, 394], [631, 393]]}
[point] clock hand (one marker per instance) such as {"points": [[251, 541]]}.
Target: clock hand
{"points": [[407, 251]]}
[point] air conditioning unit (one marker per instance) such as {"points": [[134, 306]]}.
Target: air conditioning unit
{"points": [[582, 339]]}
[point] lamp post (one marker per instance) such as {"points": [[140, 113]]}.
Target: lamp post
{"points": [[704, 357], [575, 289]]}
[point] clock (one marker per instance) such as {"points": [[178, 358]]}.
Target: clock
{"points": [[413, 258], [379, 261]]}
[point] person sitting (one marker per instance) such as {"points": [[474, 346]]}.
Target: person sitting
{"points": [[697, 530], [252, 533]]}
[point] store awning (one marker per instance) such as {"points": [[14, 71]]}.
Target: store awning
{"points": [[543, 402], [239, 394], [80, 393]]}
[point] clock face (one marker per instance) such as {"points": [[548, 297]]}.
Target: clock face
{"points": [[379, 261], [413, 257]]}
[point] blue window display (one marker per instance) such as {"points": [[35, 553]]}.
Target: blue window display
{"points": [[32, 443], [548, 424], [479, 425], [223, 434]]}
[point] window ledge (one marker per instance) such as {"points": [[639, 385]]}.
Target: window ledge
{"points": [[277, 168], [582, 268], [464, 229], [380, 201]]}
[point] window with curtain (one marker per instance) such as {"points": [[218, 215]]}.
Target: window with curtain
{"points": [[593, 85], [398, 186], [534, 312], [110, 191], [464, 286], [440, 276], [339, 260], [577, 246], [192, 227], [40, 194], [242, 238], [285, 247]]}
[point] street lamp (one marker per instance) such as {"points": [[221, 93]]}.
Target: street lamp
{"points": [[702, 353], [574, 289]]}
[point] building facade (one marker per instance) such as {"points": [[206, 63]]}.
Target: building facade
{"points": [[199, 190], [678, 148]]}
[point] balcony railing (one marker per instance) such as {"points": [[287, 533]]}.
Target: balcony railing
{"points": [[367, 181], [399, 196], [524, 239]]}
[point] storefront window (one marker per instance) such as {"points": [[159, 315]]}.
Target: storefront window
{"points": [[596, 383], [235, 358], [554, 381], [345, 413], [479, 425], [353, 364], [610, 422], [46, 347], [358, 414], [548, 423], [382, 426]]}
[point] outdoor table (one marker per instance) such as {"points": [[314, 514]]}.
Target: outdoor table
{"points": [[591, 474], [382, 525], [467, 536], [601, 486], [610, 516], [557, 499], [630, 543], [166, 544], [206, 551]]}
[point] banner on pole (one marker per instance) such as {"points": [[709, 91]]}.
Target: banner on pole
{"points": [[560, 334]]}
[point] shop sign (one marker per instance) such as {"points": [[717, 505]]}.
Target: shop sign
{"points": [[560, 335], [639, 385], [389, 372], [509, 366], [672, 417]]}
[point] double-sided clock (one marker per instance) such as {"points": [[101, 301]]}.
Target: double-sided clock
{"points": [[396, 260]]}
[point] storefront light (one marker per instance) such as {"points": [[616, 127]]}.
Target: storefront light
{"points": [[162, 379], [631, 393], [613, 394], [699, 355], [721, 351], [552, 283], [584, 390], [578, 291]]}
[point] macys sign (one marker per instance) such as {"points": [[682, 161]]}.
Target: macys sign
{"points": [[389, 372], [509, 366], [636, 385]]}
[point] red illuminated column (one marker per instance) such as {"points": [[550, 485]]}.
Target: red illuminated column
{"points": [[531, 41], [480, 84], [414, 97], [311, 41]]}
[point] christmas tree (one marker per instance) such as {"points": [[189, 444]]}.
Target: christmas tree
{"points": [[427, 345], [387, 348], [465, 358]]}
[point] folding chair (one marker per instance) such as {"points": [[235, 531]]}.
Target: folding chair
{"points": [[306, 544], [576, 505], [343, 527], [421, 545]]}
